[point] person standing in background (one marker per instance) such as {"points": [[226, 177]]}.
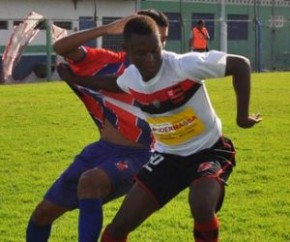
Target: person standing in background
{"points": [[199, 37]]}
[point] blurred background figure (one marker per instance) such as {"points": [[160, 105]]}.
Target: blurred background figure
{"points": [[199, 37]]}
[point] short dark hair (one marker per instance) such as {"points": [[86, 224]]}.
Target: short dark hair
{"points": [[141, 25], [201, 21], [159, 17]]}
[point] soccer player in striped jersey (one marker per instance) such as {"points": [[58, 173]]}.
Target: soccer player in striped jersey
{"points": [[103, 170], [190, 149]]}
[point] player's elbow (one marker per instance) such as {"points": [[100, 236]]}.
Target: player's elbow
{"points": [[58, 47], [237, 64]]}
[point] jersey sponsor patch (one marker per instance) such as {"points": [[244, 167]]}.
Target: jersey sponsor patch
{"points": [[178, 128]]}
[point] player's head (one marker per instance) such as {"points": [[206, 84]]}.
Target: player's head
{"points": [[200, 23], [161, 21], [143, 45]]}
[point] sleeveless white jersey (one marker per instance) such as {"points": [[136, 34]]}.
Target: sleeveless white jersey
{"points": [[175, 102]]}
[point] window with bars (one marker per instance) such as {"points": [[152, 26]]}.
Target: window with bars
{"points": [[64, 24], [17, 22], [3, 24], [174, 32], [112, 42], [238, 25]]}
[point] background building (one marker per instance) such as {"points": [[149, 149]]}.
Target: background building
{"points": [[69, 14], [258, 29]]}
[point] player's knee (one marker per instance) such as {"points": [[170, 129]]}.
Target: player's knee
{"points": [[87, 184], [39, 215], [43, 215], [203, 199], [93, 183]]}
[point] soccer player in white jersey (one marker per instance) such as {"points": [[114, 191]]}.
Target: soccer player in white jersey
{"points": [[103, 170], [191, 151]]}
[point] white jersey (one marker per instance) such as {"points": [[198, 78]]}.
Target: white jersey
{"points": [[175, 102]]}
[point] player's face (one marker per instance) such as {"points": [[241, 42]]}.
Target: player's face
{"points": [[200, 26], [144, 52]]}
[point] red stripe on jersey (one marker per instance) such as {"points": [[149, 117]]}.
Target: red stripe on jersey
{"points": [[94, 108], [126, 122], [173, 93], [123, 97], [95, 60]]}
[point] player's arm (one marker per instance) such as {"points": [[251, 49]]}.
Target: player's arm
{"points": [[68, 46], [207, 35], [105, 82], [239, 67]]}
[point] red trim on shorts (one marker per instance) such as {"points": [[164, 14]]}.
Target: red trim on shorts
{"points": [[221, 171], [228, 145], [148, 190]]}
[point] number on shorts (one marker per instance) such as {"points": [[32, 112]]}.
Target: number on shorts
{"points": [[155, 159]]}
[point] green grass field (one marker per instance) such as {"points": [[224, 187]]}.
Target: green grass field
{"points": [[44, 125]]}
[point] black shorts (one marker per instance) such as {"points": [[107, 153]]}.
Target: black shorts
{"points": [[166, 175]]}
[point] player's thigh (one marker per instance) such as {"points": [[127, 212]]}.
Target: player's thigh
{"points": [[137, 206]]}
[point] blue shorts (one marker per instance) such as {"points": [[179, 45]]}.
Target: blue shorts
{"points": [[121, 163]]}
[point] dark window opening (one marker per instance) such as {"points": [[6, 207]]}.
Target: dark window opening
{"points": [[174, 26], [112, 42], [64, 24], [3, 24], [238, 27]]}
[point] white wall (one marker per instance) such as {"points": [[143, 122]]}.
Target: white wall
{"points": [[60, 10]]}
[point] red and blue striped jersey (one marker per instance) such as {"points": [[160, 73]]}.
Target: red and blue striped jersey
{"points": [[98, 61]]}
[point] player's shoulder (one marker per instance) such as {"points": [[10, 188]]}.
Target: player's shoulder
{"points": [[131, 71], [186, 63], [169, 56], [202, 56], [172, 58]]}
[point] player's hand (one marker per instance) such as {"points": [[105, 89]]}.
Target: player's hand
{"points": [[250, 121], [65, 72], [117, 26]]}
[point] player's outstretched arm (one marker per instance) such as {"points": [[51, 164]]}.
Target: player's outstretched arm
{"points": [[105, 82], [69, 46], [239, 67]]}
